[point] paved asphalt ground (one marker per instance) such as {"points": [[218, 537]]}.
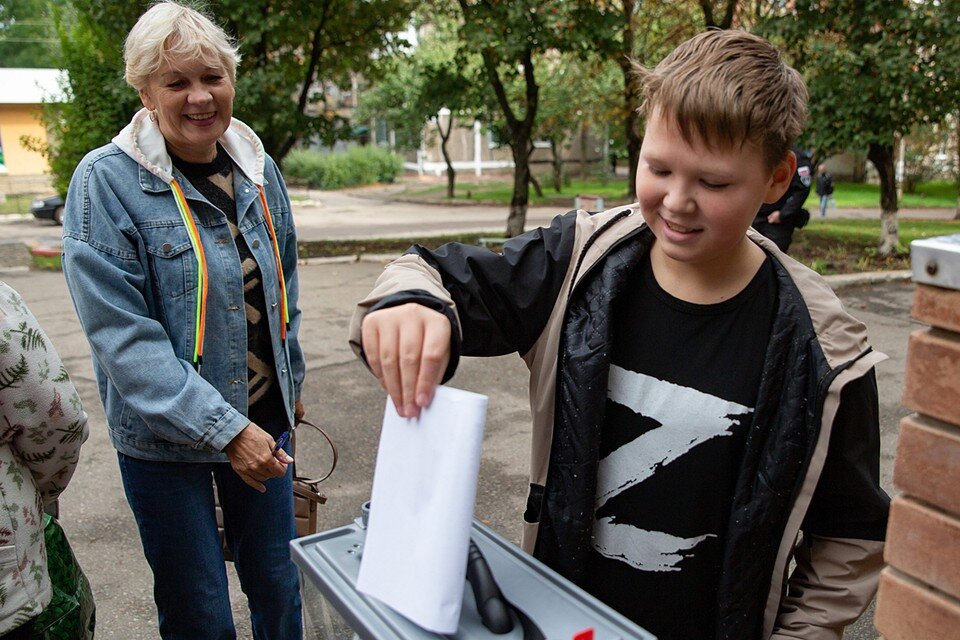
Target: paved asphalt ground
{"points": [[340, 395], [376, 212]]}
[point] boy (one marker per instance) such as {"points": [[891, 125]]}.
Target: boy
{"points": [[698, 398]]}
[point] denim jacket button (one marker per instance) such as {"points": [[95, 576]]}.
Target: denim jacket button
{"points": [[256, 244], [273, 306], [283, 370], [166, 247]]}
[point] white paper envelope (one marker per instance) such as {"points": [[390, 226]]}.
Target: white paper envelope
{"points": [[421, 509]]}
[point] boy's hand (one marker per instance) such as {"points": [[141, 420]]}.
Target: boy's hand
{"points": [[774, 218], [407, 348]]}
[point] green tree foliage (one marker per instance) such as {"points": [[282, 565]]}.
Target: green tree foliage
{"points": [[510, 36], [628, 32], [98, 102], [289, 48], [416, 85], [569, 92], [28, 35], [875, 69]]}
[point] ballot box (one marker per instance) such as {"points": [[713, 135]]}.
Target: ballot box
{"points": [[549, 606]]}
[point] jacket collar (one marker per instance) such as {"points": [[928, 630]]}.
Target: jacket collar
{"points": [[841, 336], [143, 141]]}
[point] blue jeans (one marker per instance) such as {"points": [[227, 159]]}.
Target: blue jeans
{"points": [[824, 201], [173, 505]]}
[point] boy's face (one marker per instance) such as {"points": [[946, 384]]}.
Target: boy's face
{"points": [[700, 201]]}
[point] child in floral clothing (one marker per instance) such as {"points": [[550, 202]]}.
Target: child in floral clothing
{"points": [[42, 425]]}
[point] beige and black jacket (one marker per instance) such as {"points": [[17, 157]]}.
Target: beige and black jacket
{"points": [[808, 488]]}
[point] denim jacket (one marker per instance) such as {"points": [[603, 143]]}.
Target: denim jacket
{"points": [[132, 273]]}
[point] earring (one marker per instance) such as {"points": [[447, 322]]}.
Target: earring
{"points": [[153, 116]]}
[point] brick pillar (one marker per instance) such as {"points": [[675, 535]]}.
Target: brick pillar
{"points": [[919, 595]]}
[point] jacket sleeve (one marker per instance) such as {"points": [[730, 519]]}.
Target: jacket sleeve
{"points": [[796, 197], [42, 418], [839, 558], [106, 279], [291, 275], [500, 302]]}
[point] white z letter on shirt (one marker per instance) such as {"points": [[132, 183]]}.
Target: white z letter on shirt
{"points": [[688, 418]]}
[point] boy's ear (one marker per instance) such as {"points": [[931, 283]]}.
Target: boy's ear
{"points": [[782, 176]]}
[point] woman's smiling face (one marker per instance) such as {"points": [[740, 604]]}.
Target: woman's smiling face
{"points": [[193, 103]]}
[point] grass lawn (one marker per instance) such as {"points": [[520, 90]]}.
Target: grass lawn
{"points": [[827, 246], [849, 246], [613, 191], [19, 203], [938, 194], [849, 195]]}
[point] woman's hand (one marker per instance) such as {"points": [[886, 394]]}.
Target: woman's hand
{"points": [[251, 456], [407, 348]]}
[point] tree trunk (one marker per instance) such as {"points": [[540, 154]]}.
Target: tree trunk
{"points": [[956, 131], [583, 151], [536, 185], [726, 21], [517, 218], [557, 165], [632, 91], [520, 132], [451, 174], [881, 155]]}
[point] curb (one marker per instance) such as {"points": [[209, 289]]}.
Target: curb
{"points": [[839, 281], [842, 280]]}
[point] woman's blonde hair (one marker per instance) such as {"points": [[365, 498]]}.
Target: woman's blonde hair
{"points": [[726, 88], [171, 32]]}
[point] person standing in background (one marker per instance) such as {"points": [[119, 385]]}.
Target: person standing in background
{"points": [[778, 220], [824, 188], [42, 426]]}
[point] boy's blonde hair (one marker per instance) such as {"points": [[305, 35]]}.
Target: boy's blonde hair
{"points": [[172, 32], [725, 88]]}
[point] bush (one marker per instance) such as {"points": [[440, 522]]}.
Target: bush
{"points": [[358, 165]]}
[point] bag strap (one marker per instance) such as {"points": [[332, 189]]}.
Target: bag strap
{"points": [[314, 482]]}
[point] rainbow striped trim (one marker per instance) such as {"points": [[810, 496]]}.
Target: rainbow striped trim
{"points": [[202, 278], [201, 311], [276, 255]]}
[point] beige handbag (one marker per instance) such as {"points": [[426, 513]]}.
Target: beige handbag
{"points": [[306, 493]]}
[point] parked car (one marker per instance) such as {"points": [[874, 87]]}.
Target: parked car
{"points": [[49, 208]]}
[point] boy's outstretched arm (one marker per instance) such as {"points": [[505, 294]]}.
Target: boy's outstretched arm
{"points": [[839, 559], [429, 305], [407, 348]]}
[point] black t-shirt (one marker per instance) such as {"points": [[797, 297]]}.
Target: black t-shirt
{"points": [[681, 392]]}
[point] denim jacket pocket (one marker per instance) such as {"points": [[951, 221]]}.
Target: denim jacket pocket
{"points": [[173, 263]]}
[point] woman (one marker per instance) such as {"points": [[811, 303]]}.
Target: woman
{"points": [[42, 425], [180, 255]]}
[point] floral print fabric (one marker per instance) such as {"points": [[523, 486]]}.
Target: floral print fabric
{"points": [[42, 425]]}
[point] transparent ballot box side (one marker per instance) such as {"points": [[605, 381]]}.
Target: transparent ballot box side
{"points": [[329, 563]]}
